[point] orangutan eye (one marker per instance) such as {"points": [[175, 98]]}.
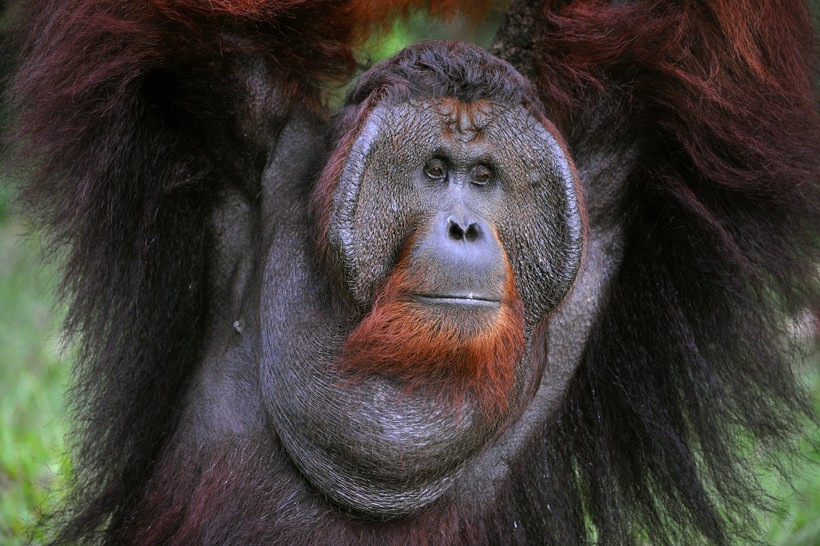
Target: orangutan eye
{"points": [[482, 175], [435, 169]]}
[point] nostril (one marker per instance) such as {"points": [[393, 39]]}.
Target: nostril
{"points": [[454, 231], [473, 233]]}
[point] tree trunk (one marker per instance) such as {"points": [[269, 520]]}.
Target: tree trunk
{"points": [[515, 38]]}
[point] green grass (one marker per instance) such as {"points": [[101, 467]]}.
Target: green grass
{"points": [[797, 522], [32, 381]]}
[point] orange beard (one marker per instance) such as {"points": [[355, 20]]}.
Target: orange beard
{"points": [[405, 339]]}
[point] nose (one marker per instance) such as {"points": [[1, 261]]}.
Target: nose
{"points": [[463, 241], [462, 257], [463, 229]]}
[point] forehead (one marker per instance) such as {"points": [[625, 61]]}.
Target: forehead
{"points": [[449, 118], [408, 130], [465, 122]]}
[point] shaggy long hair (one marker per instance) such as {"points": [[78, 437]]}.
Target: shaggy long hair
{"points": [[129, 113], [689, 364]]}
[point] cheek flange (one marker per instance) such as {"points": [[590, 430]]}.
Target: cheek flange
{"points": [[542, 227], [373, 205]]}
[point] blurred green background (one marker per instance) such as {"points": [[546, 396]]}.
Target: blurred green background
{"points": [[34, 369]]}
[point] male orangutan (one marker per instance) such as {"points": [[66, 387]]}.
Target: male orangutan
{"points": [[483, 304]]}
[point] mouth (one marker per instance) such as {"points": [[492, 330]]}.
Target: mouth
{"points": [[469, 300]]}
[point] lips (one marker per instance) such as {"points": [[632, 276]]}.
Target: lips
{"points": [[476, 300]]}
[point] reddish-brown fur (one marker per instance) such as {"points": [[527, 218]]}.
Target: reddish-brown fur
{"points": [[714, 76], [359, 11], [685, 349], [404, 338]]}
